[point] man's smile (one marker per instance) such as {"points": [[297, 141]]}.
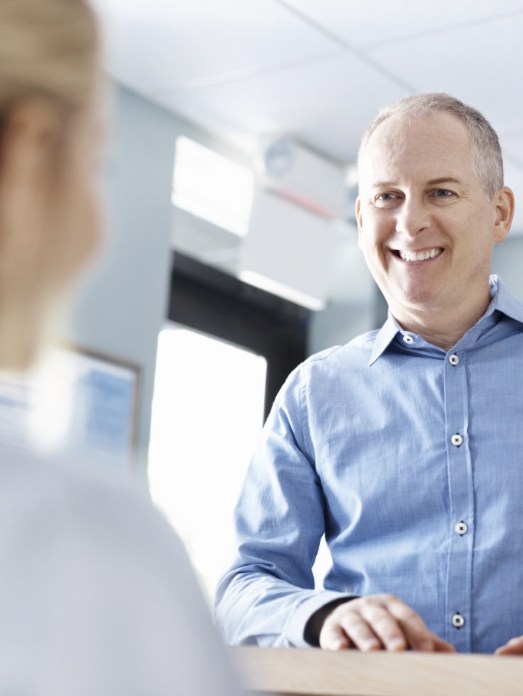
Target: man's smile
{"points": [[422, 255]]}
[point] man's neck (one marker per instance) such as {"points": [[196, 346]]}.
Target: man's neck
{"points": [[441, 327]]}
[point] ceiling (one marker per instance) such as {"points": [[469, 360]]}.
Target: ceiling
{"points": [[319, 69]]}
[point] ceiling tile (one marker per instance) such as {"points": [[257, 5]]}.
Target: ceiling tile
{"points": [[374, 22], [327, 104], [160, 44], [475, 64]]}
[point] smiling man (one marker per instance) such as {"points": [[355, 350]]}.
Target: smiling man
{"points": [[429, 218], [404, 446]]}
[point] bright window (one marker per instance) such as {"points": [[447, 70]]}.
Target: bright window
{"points": [[207, 415]]}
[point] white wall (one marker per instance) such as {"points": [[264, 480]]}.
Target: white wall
{"points": [[353, 306]]}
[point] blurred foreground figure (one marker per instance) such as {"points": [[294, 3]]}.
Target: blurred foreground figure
{"points": [[96, 592]]}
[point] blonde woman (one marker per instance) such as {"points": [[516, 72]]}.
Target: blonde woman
{"points": [[96, 594]]}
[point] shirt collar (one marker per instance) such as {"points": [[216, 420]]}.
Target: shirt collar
{"points": [[502, 300], [384, 337]]}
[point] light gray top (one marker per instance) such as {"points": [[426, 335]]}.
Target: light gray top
{"points": [[96, 592]]}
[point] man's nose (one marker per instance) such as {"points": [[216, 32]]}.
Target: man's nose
{"points": [[412, 217]]}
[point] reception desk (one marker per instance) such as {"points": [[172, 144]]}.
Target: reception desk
{"points": [[315, 672]]}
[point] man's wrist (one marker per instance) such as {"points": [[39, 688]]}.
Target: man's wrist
{"points": [[313, 627]]}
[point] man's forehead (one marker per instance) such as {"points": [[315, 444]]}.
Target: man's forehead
{"points": [[438, 140], [401, 130]]}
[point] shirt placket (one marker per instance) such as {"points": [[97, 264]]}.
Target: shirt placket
{"points": [[458, 619]]}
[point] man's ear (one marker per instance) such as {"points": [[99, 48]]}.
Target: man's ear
{"points": [[357, 211], [504, 206]]}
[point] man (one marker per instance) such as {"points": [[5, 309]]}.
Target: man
{"points": [[404, 446]]}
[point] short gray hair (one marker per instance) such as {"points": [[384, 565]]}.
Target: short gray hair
{"points": [[487, 160]]}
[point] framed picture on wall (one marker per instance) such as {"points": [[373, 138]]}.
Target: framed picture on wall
{"points": [[79, 403]]}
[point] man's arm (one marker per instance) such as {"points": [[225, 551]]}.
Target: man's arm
{"points": [[268, 595]]}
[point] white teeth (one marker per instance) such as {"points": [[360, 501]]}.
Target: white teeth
{"points": [[420, 255]]}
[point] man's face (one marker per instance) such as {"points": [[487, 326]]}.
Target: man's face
{"points": [[426, 226]]}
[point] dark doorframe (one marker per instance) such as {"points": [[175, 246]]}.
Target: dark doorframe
{"points": [[209, 300]]}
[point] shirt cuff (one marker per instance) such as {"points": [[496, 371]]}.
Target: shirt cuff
{"points": [[295, 629]]}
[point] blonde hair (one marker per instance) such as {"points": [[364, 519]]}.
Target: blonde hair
{"points": [[486, 151], [47, 48]]}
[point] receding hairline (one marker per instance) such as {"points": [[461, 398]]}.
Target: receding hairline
{"points": [[406, 116], [486, 154], [410, 119]]}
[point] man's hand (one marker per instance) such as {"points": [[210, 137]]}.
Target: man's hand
{"points": [[513, 647], [378, 622]]}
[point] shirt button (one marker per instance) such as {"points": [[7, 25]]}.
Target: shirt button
{"points": [[457, 620], [461, 528], [408, 338], [453, 359], [456, 440]]}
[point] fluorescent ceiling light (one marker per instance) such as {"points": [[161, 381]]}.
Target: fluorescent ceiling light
{"points": [[212, 186], [281, 290]]}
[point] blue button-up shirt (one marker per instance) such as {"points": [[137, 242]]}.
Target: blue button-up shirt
{"points": [[410, 460]]}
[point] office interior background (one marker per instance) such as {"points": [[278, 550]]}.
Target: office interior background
{"points": [[229, 185]]}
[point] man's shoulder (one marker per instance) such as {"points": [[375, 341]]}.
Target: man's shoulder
{"points": [[356, 349]]}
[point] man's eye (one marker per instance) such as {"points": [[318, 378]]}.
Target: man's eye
{"points": [[386, 197]]}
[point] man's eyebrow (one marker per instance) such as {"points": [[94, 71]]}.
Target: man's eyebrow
{"points": [[383, 184], [443, 180], [430, 182]]}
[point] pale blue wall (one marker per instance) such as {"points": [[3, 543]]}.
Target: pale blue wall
{"points": [[508, 263], [121, 307]]}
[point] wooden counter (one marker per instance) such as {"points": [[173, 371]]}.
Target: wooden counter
{"points": [[349, 673]]}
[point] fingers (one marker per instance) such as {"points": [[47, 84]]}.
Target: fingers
{"points": [[333, 637], [442, 646], [513, 647], [378, 622], [347, 629], [417, 635]]}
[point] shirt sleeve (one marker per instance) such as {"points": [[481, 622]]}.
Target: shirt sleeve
{"points": [[268, 595]]}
